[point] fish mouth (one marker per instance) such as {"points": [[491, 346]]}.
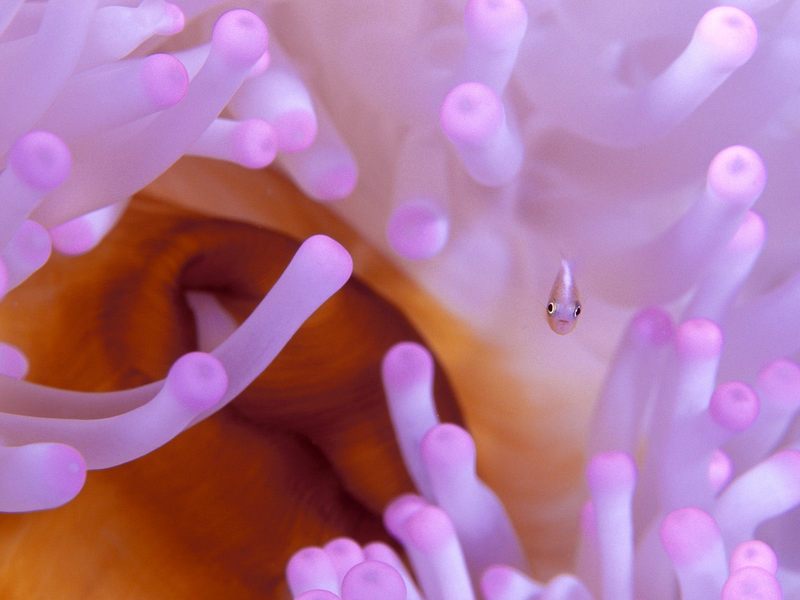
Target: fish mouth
{"points": [[563, 326]]}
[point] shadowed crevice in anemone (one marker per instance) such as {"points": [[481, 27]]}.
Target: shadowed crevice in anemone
{"points": [[305, 453]]}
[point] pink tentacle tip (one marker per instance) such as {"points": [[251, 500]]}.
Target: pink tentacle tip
{"points": [[496, 24], [261, 65], [720, 470], [496, 579], [344, 553], [198, 379], [611, 472], [255, 143], [752, 583], [788, 462], [165, 79], [342, 547], [448, 445], [501, 582], [317, 595], [737, 174], [399, 510], [331, 261], [430, 529], [296, 130], [13, 362], [241, 37], [754, 553], [734, 406], [689, 534], [417, 230], [311, 569], [653, 326], [40, 159], [729, 34], [336, 182], [406, 365], [31, 245], [781, 381], [751, 233], [40, 476], [174, 20], [64, 471], [371, 580], [698, 339], [471, 113], [74, 237]]}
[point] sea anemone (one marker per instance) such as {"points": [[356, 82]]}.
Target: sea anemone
{"points": [[477, 144]]}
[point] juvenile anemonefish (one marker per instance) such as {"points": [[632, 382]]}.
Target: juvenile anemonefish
{"points": [[563, 308]]}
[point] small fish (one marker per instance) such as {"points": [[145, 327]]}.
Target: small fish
{"points": [[563, 308]]}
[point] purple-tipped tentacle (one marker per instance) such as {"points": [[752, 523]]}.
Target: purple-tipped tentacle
{"points": [[431, 534], [693, 440], [407, 372], [311, 569], [280, 97], [320, 268], [27, 251], [84, 233], [724, 40], [480, 520], [687, 385], [116, 31], [38, 476], [694, 544], [754, 553], [382, 552], [778, 387], [345, 554], [720, 470], [612, 477], [632, 375], [114, 166], [418, 226], [495, 30], [752, 583], [565, 587], [372, 579], [475, 121], [251, 143], [13, 362], [395, 519], [195, 383], [111, 95], [500, 582], [662, 269], [38, 163], [327, 169], [317, 595]]}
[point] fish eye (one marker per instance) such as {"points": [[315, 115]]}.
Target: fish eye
{"points": [[577, 311], [551, 308]]}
